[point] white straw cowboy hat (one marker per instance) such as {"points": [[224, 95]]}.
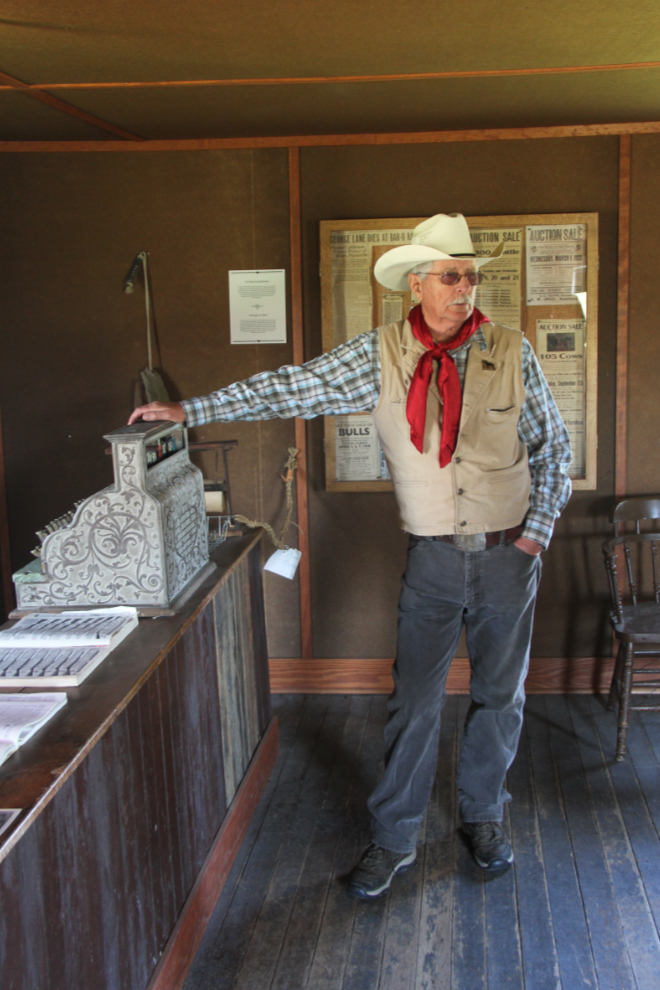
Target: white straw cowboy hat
{"points": [[440, 238]]}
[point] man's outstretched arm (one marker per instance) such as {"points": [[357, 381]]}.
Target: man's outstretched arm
{"points": [[347, 380]]}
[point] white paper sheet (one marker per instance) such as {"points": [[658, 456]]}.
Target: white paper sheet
{"points": [[556, 263], [257, 306], [22, 714], [284, 562]]}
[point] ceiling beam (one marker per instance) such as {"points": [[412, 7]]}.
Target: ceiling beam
{"points": [[313, 80], [52, 101], [325, 140]]}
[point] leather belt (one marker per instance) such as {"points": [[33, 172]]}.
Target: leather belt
{"points": [[479, 541]]}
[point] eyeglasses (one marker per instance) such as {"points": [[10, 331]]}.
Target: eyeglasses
{"points": [[453, 278]]}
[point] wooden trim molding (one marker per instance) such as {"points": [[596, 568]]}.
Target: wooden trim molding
{"points": [[623, 301], [329, 140], [177, 957], [330, 80], [36, 93], [295, 221], [547, 675]]}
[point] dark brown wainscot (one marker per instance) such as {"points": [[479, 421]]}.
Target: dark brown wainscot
{"points": [[137, 795]]}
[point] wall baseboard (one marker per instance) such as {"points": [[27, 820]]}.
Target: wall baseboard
{"points": [[179, 952], [547, 675]]}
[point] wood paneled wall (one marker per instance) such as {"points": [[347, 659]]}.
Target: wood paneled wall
{"points": [[73, 343], [208, 211]]}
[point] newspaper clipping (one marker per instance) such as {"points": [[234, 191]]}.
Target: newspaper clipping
{"points": [[556, 264], [498, 296], [351, 266], [358, 455], [560, 345]]}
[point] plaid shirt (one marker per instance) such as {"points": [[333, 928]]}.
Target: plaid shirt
{"points": [[347, 380]]}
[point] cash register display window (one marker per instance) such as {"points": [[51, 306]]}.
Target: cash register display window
{"points": [[162, 448]]}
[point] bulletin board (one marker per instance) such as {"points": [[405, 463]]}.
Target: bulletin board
{"points": [[545, 283]]}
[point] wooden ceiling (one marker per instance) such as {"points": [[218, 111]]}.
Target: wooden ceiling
{"points": [[169, 69]]}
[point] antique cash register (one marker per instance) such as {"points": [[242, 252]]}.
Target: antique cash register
{"points": [[142, 541]]}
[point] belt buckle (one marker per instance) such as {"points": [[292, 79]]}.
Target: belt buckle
{"points": [[470, 541]]}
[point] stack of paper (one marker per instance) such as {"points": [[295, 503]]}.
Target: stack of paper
{"points": [[22, 714], [60, 650]]}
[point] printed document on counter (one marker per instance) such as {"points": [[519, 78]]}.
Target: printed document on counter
{"points": [[60, 650], [21, 715]]}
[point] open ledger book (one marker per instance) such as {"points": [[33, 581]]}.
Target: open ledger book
{"points": [[22, 714], [61, 650]]}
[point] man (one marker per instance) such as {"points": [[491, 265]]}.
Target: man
{"points": [[478, 456]]}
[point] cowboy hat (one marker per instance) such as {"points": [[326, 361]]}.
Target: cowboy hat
{"points": [[440, 238]]}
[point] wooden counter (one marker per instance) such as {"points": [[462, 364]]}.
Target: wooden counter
{"points": [[137, 794]]}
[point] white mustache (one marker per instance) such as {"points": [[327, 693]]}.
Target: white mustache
{"points": [[461, 301]]}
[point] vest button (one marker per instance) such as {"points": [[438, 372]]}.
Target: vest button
{"points": [[460, 491], [464, 523], [457, 460]]}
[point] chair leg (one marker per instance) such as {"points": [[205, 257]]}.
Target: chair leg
{"points": [[616, 679], [624, 702]]}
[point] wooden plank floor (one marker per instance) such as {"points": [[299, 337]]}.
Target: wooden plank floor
{"points": [[581, 907]]}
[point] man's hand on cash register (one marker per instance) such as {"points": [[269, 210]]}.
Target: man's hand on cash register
{"points": [[158, 410]]}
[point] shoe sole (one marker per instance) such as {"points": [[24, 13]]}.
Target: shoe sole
{"points": [[360, 892]]}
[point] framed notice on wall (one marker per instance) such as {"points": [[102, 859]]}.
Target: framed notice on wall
{"points": [[545, 283]]}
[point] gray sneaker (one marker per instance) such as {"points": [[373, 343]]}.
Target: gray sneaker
{"points": [[489, 845], [373, 874]]}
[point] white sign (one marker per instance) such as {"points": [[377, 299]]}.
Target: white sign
{"points": [[284, 562], [560, 345], [556, 264], [257, 307]]}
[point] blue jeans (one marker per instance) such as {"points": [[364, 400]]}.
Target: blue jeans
{"points": [[492, 591]]}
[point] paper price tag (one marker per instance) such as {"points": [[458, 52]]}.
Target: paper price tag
{"points": [[284, 563]]}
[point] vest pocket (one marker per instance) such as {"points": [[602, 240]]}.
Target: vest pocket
{"points": [[496, 478], [502, 415], [412, 483]]}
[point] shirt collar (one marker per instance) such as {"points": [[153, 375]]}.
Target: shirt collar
{"points": [[477, 336]]}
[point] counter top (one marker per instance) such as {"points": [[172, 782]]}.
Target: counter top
{"points": [[32, 776]]}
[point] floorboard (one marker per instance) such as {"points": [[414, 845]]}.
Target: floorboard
{"points": [[436, 920], [579, 909], [574, 955]]}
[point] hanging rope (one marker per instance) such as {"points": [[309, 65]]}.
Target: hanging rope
{"points": [[290, 468]]}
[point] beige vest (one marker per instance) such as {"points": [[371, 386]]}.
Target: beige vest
{"points": [[486, 486]]}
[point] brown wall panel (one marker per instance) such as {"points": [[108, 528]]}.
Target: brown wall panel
{"points": [[358, 552], [73, 342], [644, 339]]}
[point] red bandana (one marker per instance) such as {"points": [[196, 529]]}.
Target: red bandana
{"points": [[449, 384]]}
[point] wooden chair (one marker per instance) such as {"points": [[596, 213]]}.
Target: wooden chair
{"points": [[636, 625], [635, 510]]}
